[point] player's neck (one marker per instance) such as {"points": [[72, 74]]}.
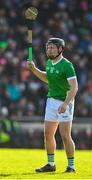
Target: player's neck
{"points": [[57, 58]]}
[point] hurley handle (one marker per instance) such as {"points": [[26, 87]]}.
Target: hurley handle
{"points": [[30, 15]]}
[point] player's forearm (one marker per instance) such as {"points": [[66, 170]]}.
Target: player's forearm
{"points": [[71, 94], [40, 74]]}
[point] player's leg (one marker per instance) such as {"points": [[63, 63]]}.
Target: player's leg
{"points": [[50, 145], [65, 131], [50, 142]]}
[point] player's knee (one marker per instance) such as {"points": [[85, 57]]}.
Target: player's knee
{"points": [[48, 135], [65, 137]]}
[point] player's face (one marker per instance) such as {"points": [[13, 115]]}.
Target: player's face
{"points": [[52, 51]]}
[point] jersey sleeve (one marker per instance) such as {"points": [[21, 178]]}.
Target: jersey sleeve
{"points": [[70, 71]]}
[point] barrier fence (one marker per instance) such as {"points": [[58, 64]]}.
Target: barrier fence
{"points": [[28, 132]]}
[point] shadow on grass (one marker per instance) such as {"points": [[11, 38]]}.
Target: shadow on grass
{"points": [[41, 173], [16, 174], [28, 173], [5, 175]]}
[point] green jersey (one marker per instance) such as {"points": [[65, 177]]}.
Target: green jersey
{"points": [[58, 75]]}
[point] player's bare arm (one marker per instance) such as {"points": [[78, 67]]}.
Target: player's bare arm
{"points": [[71, 94], [40, 74]]}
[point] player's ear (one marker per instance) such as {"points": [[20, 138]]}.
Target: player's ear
{"points": [[60, 49]]}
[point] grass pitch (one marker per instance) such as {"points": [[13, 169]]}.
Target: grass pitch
{"points": [[21, 164]]}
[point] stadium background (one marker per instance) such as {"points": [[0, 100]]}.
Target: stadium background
{"points": [[22, 95]]}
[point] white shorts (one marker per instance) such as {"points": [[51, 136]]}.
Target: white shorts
{"points": [[51, 112]]}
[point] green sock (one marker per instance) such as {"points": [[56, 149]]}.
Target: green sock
{"points": [[71, 162], [50, 159]]}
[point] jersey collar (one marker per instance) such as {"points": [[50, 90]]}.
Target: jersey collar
{"points": [[53, 63]]}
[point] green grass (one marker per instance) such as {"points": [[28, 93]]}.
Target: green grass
{"points": [[21, 164]]}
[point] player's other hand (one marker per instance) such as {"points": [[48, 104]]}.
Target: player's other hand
{"points": [[62, 108]]}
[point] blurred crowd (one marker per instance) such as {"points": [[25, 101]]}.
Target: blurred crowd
{"points": [[22, 93]]}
